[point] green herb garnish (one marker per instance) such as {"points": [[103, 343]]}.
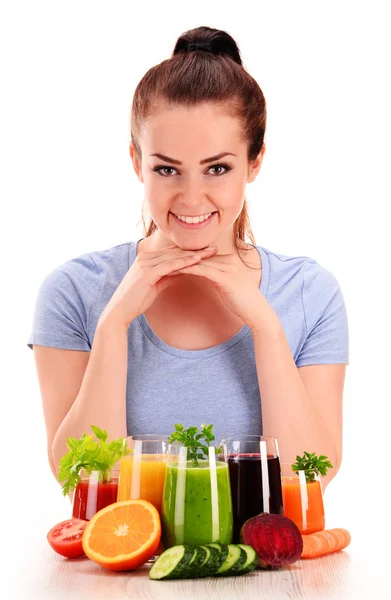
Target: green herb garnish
{"points": [[90, 455], [312, 465], [197, 443]]}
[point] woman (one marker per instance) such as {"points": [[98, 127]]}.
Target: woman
{"points": [[192, 324]]}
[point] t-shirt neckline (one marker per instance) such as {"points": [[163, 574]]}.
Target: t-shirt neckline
{"points": [[206, 352]]}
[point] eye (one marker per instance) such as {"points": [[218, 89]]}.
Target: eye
{"points": [[161, 171], [169, 171], [221, 166]]}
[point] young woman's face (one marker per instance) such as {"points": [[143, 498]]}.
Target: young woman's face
{"points": [[202, 168]]}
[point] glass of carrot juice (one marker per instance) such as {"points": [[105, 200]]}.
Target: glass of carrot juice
{"points": [[142, 472], [302, 499]]}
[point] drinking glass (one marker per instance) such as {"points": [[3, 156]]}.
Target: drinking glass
{"points": [[148, 436], [303, 499], [142, 472], [254, 469], [93, 493], [197, 506]]}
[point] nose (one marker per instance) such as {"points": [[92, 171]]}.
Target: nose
{"points": [[192, 194]]}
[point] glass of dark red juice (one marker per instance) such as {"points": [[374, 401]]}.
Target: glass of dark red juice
{"points": [[95, 491], [255, 476]]}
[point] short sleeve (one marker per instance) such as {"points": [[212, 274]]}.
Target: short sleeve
{"points": [[327, 340], [63, 306]]}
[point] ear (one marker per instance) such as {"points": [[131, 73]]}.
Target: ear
{"points": [[256, 164], [136, 162]]}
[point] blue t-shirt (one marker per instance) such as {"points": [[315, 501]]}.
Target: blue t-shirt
{"points": [[219, 385]]}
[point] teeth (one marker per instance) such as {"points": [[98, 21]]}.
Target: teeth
{"points": [[200, 219]]}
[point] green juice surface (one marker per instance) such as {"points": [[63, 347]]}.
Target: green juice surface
{"points": [[187, 514]]}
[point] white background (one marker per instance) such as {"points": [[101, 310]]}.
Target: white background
{"points": [[68, 74]]}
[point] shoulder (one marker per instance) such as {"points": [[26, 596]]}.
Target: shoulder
{"points": [[99, 262], [300, 280], [303, 269], [71, 298], [310, 283], [283, 263], [112, 260], [83, 275]]}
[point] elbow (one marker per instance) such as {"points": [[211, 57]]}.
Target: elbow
{"points": [[56, 451], [331, 472], [335, 457], [52, 463], [53, 459], [55, 473]]}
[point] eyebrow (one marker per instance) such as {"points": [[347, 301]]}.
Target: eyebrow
{"points": [[202, 162]]}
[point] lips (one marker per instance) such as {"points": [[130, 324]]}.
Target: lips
{"points": [[199, 225], [212, 212]]}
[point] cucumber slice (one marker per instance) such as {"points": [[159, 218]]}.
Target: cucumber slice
{"points": [[235, 559], [251, 561], [198, 558], [211, 563], [222, 549], [172, 562]]}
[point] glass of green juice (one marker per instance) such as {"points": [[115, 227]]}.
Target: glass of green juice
{"points": [[197, 503]]}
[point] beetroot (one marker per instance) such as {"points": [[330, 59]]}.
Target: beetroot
{"points": [[276, 539]]}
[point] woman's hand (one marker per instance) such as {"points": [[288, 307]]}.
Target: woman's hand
{"points": [[146, 278], [235, 286]]}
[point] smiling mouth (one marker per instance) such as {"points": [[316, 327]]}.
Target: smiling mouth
{"points": [[184, 217]]}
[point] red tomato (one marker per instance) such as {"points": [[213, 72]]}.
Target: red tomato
{"points": [[65, 538]]}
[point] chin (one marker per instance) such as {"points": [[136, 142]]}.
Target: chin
{"points": [[187, 248]]}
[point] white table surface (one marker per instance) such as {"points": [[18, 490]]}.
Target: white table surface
{"points": [[359, 572], [31, 570]]}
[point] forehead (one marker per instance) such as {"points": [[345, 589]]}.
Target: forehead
{"points": [[204, 126]]}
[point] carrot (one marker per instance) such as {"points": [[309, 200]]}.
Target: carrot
{"points": [[324, 542]]}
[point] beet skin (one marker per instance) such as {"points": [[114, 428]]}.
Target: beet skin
{"points": [[276, 539]]}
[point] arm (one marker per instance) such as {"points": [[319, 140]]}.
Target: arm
{"points": [[80, 389], [301, 407]]}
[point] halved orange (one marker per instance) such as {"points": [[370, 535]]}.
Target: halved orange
{"points": [[123, 535]]}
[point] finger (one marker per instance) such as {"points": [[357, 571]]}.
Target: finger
{"points": [[173, 264], [213, 261], [215, 276], [193, 268], [189, 269], [207, 265], [160, 257]]}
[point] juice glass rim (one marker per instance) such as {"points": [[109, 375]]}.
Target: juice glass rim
{"points": [[180, 445], [148, 437], [288, 467], [200, 467], [181, 456], [86, 475], [248, 437], [148, 444], [288, 473]]}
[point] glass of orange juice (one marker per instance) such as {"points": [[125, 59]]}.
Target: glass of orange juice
{"points": [[142, 471], [302, 499]]}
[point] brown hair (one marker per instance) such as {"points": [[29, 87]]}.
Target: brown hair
{"points": [[205, 67]]}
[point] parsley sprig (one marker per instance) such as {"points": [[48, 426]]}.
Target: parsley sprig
{"points": [[91, 455], [312, 465], [197, 443]]}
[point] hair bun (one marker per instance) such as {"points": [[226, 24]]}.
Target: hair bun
{"points": [[199, 46], [210, 40]]}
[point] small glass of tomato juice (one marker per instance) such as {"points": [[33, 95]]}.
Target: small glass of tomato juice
{"points": [[94, 491]]}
